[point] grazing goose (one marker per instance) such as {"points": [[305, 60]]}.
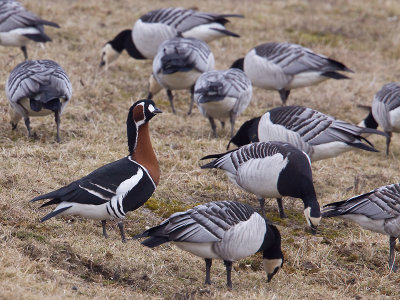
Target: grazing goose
{"points": [[320, 136], [178, 64], [37, 88], [378, 211], [271, 169], [113, 190], [224, 230], [19, 26], [222, 95], [385, 111], [285, 66], [157, 26]]}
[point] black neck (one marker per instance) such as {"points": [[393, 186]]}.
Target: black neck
{"points": [[124, 41], [271, 246], [238, 64], [132, 133], [247, 133], [312, 202], [370, 121]]}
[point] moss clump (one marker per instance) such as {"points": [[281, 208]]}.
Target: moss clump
{"points": [[26, 235], [165, 208]]}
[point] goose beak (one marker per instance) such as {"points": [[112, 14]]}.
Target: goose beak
{"points": [[157, 111]]}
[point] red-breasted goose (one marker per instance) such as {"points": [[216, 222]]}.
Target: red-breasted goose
{"points": [[37, 88], [157, 26], [319, 135], [19, 26], [222, 95], [224, 230], [271, 169], [385, 111], [113, 190], [178, 64], [285, 66], [377, 210]]}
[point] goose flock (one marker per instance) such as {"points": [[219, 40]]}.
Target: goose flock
{"points": [[275, 151]]}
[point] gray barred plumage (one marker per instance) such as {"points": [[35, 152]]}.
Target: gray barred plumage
{"points": [[18, 26], [37, 88], [223, 94], [377, 210]]}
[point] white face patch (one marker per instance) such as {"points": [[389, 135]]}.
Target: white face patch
{"points": [[108, 55], [314, 222], [271, 264], [151, 108]]}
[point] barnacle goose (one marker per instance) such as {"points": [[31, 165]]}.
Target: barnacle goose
{"points": [[113, 190], [224, 230], [377, 210], [37, 88], [385, 111], [157, 26], [19, 26], [271, 169], [319, 135], [285, 66], [178, 64], [222, 95]]}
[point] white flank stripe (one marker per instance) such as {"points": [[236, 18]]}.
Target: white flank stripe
{"points": [[103, 188], [148, 175], [124, 189], [95, 193]]}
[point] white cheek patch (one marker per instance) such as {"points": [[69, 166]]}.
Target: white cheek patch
{"points": [[311, 221], [271, 264], [151, 108]]}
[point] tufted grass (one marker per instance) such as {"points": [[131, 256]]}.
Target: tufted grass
{"points": [[68, 258]]}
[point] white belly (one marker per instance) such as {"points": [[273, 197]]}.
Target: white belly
{"points": [[367, 223], [15, 37], [200, 249], [329, 150], [96, 212], [306, 79], [178, 80], [219, 109], [395, 119]]}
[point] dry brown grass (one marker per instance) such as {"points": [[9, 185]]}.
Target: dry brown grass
{"points": [[47, 260]]}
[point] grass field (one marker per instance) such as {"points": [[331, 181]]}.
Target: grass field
{"points": [[69, 258]]}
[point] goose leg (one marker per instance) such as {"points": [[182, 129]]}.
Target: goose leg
{"points": [[23, 48], [228, 265], [392, 243], [121, 229], [388, 139], [262, 206], [208, 269], [28, 126], [103, 224], [232, 119], [191, 100], [284, 96], [57, 119], [171, 101], [213, 126], [282, 214]]}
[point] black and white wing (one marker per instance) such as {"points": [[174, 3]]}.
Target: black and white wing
{"points": [[250, 154], [183, 54], [379, 204], [317, 128], [294, 59], [218, 85], [117, 183], [42, 80], [386, 103], [184, 19], [13, 16], [202, 224]]}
